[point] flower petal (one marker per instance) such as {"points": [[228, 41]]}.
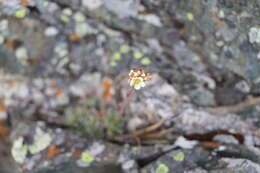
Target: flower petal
{"points": [[132, 82], [137, 87]]}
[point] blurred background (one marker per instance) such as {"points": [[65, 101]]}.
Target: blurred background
{"points": [[66, 105]]}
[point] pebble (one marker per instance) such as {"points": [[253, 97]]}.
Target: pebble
{"points": [[123, 9], [79, 17], [51, 31], [134, 123], [21, 53], [221, 14], [82, 29], [92, 4], [2, 39], [151, 18], [67, 11], [3, 115], [254, 35], [128, 164], [62, 99], [3, 25], [96, 149], [184, 143], [228, 139], [61, 49]]}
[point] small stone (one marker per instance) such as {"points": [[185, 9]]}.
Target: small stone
{"points": [[152, 19], [83, 29], [128, 164], [3, 25], [74, 67], [61, 50], [254, 35], [92, 4], [243, 86], [2, 39], [184, 143], [134, 123], [3, 115], [62, 99], [79, 17], [219, 43], [221, 14], [123, 9], [96, 149], [51, 31], [67, 11], [21, 53], [227, 139]]}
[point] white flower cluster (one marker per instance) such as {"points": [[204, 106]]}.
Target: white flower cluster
{"points": [[137, 78]]}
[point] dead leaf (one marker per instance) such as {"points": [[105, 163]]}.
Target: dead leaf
{"points": [[10, 83], [76, 153], [106, 86], [4, 131], [10, 44], [52, 151], [209, 144], [2, 107], [74, 36], [24, 2], [58, 91]]}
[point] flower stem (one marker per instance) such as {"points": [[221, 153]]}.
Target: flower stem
{"points": [[124, 104]]}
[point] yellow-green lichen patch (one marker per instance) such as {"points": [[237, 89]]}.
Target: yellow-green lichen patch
{"points": [[179, 157], [145, 61], [162, 168], [41, 141], [20, 13], [113, 63], [117, 56], [196, 59], [19, 150], [124, 48], [64, 18], [190, 16], [137, 54], [86, 157]]}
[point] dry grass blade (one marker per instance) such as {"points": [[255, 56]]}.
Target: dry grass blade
{"points": [[149, 128], [159, 134]]}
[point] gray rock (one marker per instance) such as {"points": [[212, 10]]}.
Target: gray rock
{"points": [[123, 8]]}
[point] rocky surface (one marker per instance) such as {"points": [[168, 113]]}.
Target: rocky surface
{"points": [[66, 105]]}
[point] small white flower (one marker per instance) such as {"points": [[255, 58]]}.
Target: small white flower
{"points": [[137, 83], [137, 78]]}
